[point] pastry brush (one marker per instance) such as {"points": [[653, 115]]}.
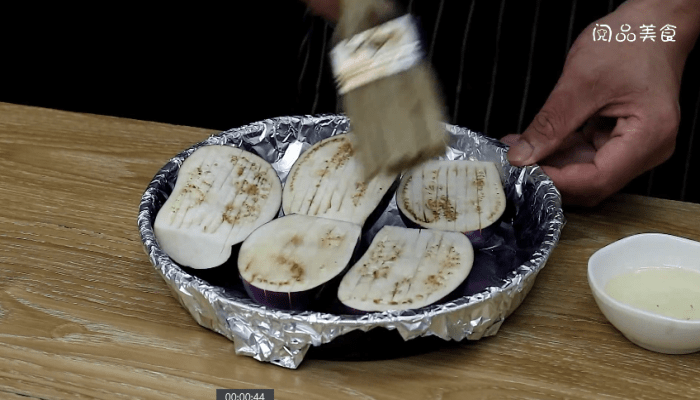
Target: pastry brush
{"points": [[389, 91]]}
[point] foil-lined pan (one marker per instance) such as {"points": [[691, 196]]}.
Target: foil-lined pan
{"points": [[504, 269]]}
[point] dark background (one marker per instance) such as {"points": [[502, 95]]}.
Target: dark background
{"points": [[224, 66], [213, 67]]}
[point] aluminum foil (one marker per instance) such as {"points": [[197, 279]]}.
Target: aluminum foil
{"points": [[504, 269]]}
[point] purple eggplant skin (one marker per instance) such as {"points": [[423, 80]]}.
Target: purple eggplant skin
{"points": [[382, 206], [479, 238], [224, 275], [297, 301], [319, 298]]}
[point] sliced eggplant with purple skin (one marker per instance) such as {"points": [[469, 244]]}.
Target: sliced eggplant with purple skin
{"points": [[221, 195], [405, 269], [328, 181], [453, 195], [286, 263]]}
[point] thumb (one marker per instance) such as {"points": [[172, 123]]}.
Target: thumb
{"points": [[567, 108]]}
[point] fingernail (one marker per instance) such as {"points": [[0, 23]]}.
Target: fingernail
{"points": [[519, 153]]}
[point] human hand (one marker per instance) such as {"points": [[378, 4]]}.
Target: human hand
{"points": [[614, 112]]}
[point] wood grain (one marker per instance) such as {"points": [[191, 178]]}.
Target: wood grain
{"points": [[84, 315]]}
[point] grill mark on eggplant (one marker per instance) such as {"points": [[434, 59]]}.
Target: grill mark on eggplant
{"points": [[237, 220], [320, 187], [338, 176], [206, 221], [470, 175], [449, 207], [186, 203], [175, 209], [256, 193], [432, 195], [453, 195], [385, 252], [421, 242], [423, 190], [235, 227], [286, 264], [291, 180], [403, 188], [193, 235], [410, 283], [297, 202], [453, 181], [451, 210], [497, 196], [360, 189], [241, 196], [418, 198], [178, 215], [234, 162], [287, 260], [339, 163], [425, 239], [202, 181], [441, 194], [252, 193], [396, 255], [469, 195], [213, 220], [479, 182], [188, 218], [300, 200], [306, 201], [195, 183], [188, 193], [329, 192], [488, 199], [342, 198]]}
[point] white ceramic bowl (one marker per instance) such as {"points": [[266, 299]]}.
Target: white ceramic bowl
{"points": [[648, 330]]}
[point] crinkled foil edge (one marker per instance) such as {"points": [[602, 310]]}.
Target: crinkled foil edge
{"points": [[283, 338]]}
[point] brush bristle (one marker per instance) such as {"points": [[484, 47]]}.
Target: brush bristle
{"points": [[398, 119], [360, 15]]}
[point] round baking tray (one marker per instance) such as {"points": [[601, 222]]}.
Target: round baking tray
{"points": [[504, 270]]}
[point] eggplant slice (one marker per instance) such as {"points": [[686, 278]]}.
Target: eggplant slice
{"points": [[328, 181], [221, 195], [286, 263], [452, 195], [406, 269]]}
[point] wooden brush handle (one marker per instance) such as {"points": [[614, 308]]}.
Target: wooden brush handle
{"points": [[359, 15]]}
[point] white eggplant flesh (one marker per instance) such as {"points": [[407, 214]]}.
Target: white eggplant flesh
{"points": [[328, 181], [285, 263], [406, 269], [221, 195], [453, 195]]}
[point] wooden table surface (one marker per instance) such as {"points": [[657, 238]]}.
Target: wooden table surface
{"points": [[83, 314]]}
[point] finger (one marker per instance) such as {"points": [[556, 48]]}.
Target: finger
{"points": [[599, 129], [510, 139], [581, 152], [573, 182], [570, 143], [569, 105], [615, 164]]}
